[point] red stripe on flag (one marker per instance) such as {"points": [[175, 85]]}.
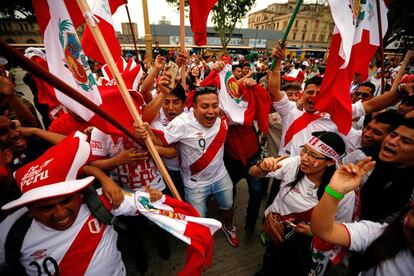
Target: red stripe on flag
{"points": [[82, 249], [211, 151], [299, 124]]}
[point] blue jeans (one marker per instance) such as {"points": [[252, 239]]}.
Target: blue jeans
{"points": [[221, 190]]}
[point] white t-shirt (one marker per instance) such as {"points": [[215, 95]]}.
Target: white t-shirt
{"points": [[289, 113], [134, 176], [160, 123], [299, 202], [362, 234], [201, 160], [96, 248]]}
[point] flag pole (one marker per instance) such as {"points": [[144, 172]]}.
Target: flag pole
{"points": [[182, 44], [66, 89], [132, 30], [381, 46], [103, 47], [289, 26], [407, 57], [148, 37]]}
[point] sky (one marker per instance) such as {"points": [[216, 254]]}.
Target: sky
{"points": [[159, 8]]}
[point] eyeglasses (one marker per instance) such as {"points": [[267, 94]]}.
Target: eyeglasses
{"points": [[362, 95], [202, 89], [304, 150]]}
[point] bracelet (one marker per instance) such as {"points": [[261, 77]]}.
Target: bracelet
{"points": [[333, 193]]}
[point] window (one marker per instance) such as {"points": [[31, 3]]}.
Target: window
{"points": [[296, 23], [306, 24], [294, 36], [303, 36], [277, 26], [313, 37]]}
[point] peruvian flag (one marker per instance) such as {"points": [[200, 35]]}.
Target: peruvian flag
{"points": [[66, 59], [102, 10], [199, 11], [354, 42], [183, 221]]}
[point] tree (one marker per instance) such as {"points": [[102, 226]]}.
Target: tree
{"points": [[226, 14]]}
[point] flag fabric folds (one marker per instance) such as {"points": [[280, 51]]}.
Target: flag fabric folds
{"points": [[354, 42], [199, 11], [102, 10], [183, 221]]}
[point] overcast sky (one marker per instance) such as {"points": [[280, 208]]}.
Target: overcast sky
{"points": [[159, 8]]}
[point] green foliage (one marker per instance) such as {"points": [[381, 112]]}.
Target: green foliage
{"points": [[226, 14]]}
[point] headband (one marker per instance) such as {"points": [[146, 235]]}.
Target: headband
{"points": [[323, 148]]}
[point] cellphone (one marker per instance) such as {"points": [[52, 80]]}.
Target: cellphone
{"points": [[173, 70]]}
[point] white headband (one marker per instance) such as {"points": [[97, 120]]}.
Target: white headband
{"points": [[323, 148]]}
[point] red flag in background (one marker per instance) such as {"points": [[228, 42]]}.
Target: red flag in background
{"points": [[199, 11], [102, 10], [354, 42]]}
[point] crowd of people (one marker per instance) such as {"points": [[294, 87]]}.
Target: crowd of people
{"points": [[333, 197]]}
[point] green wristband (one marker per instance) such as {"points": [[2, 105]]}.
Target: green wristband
{"points": [[333, 193]]}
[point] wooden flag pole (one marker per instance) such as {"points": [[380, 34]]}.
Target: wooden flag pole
{"points": [[132, 30], [182, 44], [285, 34], [407, 57], [381, 46], [38, 71], [148, 37], [103, 47]]}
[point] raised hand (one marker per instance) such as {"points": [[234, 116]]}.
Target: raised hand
{"points": [[270, 164], [349, 176]]}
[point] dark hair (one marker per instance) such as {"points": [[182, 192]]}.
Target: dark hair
{"points": [[291, 85], [203, 90], [389, 117], [337, 144], [316, 80], [369, 85], [409, 100], [385, 247], [408, 122], [245, 65], [179, 92], [236, 66]]}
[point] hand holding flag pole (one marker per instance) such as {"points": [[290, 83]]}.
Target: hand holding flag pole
{"points": [[285, 34], [103, 47]]}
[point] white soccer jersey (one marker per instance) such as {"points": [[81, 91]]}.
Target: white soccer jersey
{"points": [[134, 176], [160, 123], [201, 149], [289, 113], [299, 201], [363, 233], [88, 247]]}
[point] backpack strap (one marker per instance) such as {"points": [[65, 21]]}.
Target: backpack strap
{"points": [[98, 209], [14, 242]]}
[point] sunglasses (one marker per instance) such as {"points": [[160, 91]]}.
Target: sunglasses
{"points": [[202, 89], [362, 95]]}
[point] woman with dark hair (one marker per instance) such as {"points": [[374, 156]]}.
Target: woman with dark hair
{"points": [[303, 181], [388, 249], [193, 78]]}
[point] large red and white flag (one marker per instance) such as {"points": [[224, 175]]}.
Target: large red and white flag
{"points": [[103, 11], [199, 11], [183, 221], [354, 42], [66, 59]]}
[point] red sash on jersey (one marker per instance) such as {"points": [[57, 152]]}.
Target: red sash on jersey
{"points": [[211, 151], [299, 124], [80, 253]]}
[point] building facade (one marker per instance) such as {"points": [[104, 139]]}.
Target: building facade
{"points": [[312, 28]]}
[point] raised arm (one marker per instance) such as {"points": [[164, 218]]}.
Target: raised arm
{"points": [[23, 113], [50, 137], [274, 75], [148, 83], [387, 99], [345, 179]]}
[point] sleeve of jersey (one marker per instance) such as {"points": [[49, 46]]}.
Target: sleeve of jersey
{"points": [[358, 110], [174, 132], [284, 107], [363, 233], [98, 144]]}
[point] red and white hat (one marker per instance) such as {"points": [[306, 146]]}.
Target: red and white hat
{"points": [[54, 173], [322, 148]]}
